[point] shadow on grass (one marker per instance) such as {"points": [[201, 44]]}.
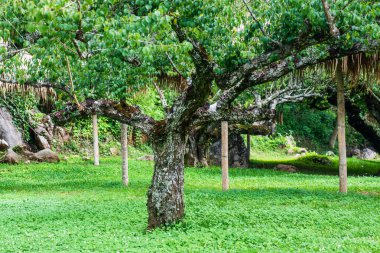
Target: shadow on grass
{"points": [[70, 185], [281, 193], [317, 164]]}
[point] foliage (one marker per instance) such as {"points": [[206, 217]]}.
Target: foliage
{"points": [[313, 128], [268, 143], [107, 129], [116, 48], [75, 206]]}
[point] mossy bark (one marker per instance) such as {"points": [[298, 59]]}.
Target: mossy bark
{"points": [[165, 195]]}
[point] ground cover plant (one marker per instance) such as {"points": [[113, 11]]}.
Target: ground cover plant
{"points": [[76, 207]]}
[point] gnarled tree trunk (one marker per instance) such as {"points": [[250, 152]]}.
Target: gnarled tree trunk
{"points": [[165, 195]]}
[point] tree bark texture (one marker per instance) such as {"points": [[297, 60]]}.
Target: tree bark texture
{"points": [[96, 138], [341, 129], [124, 154], [165, 195]]}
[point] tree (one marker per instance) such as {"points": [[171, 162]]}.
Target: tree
{"points": [[215, 45]]}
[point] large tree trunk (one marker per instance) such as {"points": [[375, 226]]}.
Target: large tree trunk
{"points": [[96, 139], [165, 195], [341, 129], [124, 153]]}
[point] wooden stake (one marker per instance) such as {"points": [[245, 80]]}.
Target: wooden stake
{"points": [[225, 181], [341, 122], [124, 153], [96, 138], [248, 148]]}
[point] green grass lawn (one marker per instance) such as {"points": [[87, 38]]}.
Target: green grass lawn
{"points": [[76, 207]]}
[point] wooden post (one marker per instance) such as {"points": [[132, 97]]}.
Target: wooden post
{"points": [[225, 183], [341, 122], [124, 153], [96, 139], [248, 148]]}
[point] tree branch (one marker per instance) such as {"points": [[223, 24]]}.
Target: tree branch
{"points": [[119, 111], [334, 31], [173, 65], [72, 85], [283, 67], [162, 97]]}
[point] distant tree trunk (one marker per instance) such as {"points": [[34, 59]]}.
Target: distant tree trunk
{"points": [[124, 153], [281, 118], [341, 129], [96, 139], [225, 181], [334, 135], [165, 195], [248, 148]]}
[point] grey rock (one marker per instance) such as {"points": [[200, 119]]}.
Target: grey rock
{"points": [[3, 145], [114, 151], [367, 154], [11, 157], [286, 168], [8, 130], [237, 152], [354, 152], [146, 158], [46, 155]]}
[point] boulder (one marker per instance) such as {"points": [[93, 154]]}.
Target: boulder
{"points": [[3, 145], [114, 151], [290, 151], [302, 151], [146, 158], [286, 168], [289, 141], [330, 153], [8, 131], [11, 157], [42, 142], [21, 149], [367, 154], [353, 152], [46, 155], [237, 152]]}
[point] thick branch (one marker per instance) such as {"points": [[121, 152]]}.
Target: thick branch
{"points": [[235, 116], [198, 91], [119, 111], [162, 97], [283, 67], [230, 79], [334, 31]]}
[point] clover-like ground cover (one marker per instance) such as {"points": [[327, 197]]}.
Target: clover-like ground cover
{"points": [[76, 207]]}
